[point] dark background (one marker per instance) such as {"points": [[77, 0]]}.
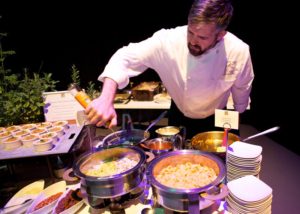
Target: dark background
{"points": [[50, 37]]}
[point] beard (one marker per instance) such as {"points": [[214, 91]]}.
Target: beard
{"points": [[196, 50]]}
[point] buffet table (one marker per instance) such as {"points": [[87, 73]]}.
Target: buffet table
{"points": [[280, 170]]}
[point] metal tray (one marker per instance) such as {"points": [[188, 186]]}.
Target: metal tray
{"points": [[62, 146]]}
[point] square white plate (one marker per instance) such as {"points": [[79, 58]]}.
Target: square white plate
{"points": [[245, 150], [249, 189]]}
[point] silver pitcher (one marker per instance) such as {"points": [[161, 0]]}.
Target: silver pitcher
{"points": [[173, 134]]}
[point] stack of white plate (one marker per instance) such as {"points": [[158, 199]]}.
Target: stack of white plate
{"points": [[248, 195], [243, 159]]}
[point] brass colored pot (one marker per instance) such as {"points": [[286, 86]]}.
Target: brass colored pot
{"points": [[212, 141]]}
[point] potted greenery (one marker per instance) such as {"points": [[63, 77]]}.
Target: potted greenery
{"points": [[21, 98]]}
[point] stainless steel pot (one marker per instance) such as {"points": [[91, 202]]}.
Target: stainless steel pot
{"points": [[116, 184], [125, 137], [185, 200]]}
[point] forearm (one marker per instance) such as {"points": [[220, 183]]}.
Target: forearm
{"points": [[109, 90]]}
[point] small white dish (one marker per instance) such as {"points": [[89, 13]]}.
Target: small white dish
{"points": [[28, 127], [57, 129], [28, 140], [31, 191], [63, 198], [51, 135], [39, 131], [43, 145], [62, 123], [54, 189], [13, 128], [46, 125], [4, 135], [12, 143], [21, 133]]}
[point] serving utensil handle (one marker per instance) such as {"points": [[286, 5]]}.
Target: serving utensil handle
{"points": [[262, 133]]}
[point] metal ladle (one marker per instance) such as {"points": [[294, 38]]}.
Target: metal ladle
{"points": [[146, 132]]}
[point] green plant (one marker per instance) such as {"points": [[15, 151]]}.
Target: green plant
{"points": [[91, 91], [91, 88], [75, 75], [21, 98]]}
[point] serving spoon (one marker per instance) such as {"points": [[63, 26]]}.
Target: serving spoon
{"points": [[146, 132], [261, 133], [225, 135]]}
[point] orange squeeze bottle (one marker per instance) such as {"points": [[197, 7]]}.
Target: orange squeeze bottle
{"points": [[79, 95]]}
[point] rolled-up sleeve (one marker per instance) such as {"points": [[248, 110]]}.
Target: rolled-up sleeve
{"points": [[131, 60]]}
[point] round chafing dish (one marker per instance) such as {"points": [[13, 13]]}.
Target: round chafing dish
{"points": [[111, 185], [180, 199]]}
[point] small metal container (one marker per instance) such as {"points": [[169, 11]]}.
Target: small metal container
{"points": [[157, 146], [174, 134]]}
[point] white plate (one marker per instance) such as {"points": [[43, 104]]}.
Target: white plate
{"points": [[245, 150], [73, 208], [31, 191], [249, 189], [50, 190]]}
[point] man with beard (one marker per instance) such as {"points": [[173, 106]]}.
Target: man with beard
{"points": [[199, 64]]}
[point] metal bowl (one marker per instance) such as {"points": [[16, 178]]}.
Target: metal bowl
{"points": [[179, 199], [212, 141], [115, 184], [157, 146]]}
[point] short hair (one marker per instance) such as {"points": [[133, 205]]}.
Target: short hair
{"points": [[211, 11]]}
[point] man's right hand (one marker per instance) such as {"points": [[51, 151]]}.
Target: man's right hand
{"points": [[101, 111]]}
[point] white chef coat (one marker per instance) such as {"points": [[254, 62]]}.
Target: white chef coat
{"points": [[198, 85]]}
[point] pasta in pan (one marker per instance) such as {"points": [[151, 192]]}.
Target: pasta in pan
{"points": [[112, 167], [186, 176]]}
